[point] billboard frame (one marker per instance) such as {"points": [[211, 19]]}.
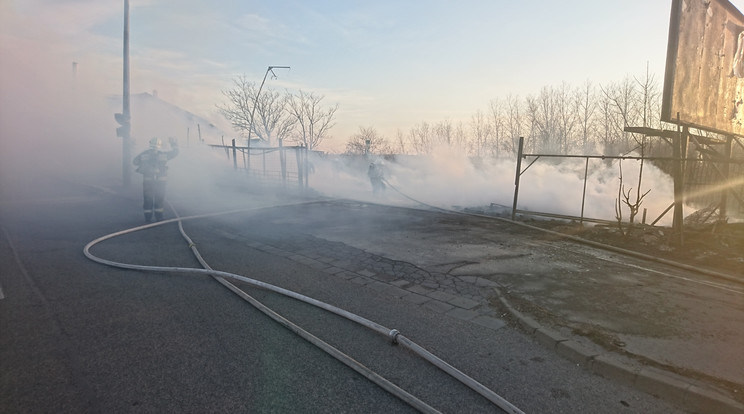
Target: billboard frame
{"points": [[710, 120]]}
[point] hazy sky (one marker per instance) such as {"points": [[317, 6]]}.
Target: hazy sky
{"points": [[388, 64]]}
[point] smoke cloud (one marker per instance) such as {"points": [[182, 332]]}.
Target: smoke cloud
{"points": [[49, 125], [57, 123], [448, 178]]}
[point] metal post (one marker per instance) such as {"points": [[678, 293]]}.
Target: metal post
{"points": [[263, 163], [678, 185], [583, 194], [283, 161], [307, 168], [723, 209], [235, 155], [126, 150], [298, 156], [253, 111], [517, 175]]}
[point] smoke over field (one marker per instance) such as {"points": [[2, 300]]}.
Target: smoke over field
{"points": [[56, 126], [450, 179], [57, 123]]}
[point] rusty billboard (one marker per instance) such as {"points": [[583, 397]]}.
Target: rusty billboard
{"points": [[704, 78]]}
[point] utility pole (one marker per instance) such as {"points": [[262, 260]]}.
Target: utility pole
{"points": [[124, 118], [253, 110], [517, 177]]}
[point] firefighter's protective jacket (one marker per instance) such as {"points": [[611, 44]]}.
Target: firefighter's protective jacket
{"points": [[152, 162]]}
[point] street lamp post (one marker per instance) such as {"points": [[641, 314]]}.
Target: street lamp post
{"points": [[253, 110], [124, 118], [126, 139]]}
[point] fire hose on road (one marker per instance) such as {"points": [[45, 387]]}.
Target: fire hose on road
{"points": [[395, 336]]}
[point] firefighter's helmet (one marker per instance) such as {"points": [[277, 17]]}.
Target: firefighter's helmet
{"points": [[156, 143]]}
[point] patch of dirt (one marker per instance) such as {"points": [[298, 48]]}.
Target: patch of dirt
{"points": [[718, 247], [707, 241]]}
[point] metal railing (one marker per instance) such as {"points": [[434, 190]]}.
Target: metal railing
{"points": [[692, 189], [282, 164]]}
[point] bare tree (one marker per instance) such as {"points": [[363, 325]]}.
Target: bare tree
{"points": [[567, 118], [543, 117], [618, 201], [623, 109], [269, 120], [633, 205], [497, 127], [514, 122], [481, 130], [443, 133], [400, 140], [367, 141], [421, 138], [650, 96], [460, 136], [586, 105], [609, 123], [650, 100], [312, 120], [240, 103], [623, 197], [556, 120]]}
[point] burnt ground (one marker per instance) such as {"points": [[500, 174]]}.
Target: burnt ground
{"points": [[706, 242], [718, 247]]}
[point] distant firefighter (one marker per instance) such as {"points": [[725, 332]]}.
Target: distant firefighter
{"points": [[152, 165], [376, 177]]}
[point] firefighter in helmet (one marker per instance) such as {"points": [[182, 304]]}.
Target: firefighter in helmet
{"points": [[376, 177], [152, 165]]}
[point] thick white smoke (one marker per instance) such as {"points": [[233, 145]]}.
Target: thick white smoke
{"points": [[448, 178], [50, 126], [57, 126]]}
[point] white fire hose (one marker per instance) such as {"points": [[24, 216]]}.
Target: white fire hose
{"points": [[395, 336]]}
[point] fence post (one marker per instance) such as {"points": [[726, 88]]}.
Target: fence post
{"points": [[263, 162], [583, 195], [235, 155], [677, 216], [516, 178], [283, 161], [307, 168], [298, 155], [247, 160], [723, 209]]}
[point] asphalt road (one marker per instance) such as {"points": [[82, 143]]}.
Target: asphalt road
{"points": [[77, 336]]}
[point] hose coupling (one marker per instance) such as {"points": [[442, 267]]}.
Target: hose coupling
{"points": [[394, 336]]}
